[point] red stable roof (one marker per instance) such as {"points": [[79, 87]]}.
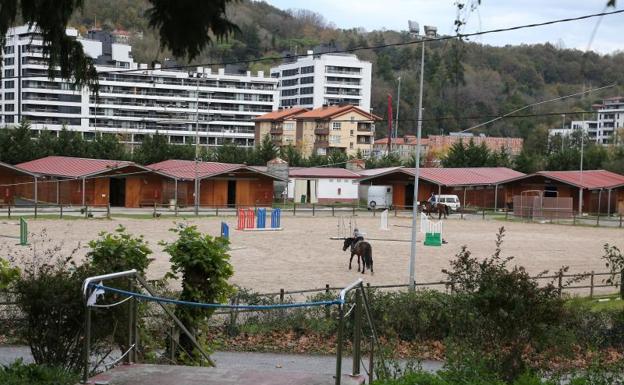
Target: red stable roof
{"points": [[466, 176], [185, 169], [15, 169], [590, 179], [70, 167], [322, 172]]}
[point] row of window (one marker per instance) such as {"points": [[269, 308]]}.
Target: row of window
{"points": [[296, 101], [295, 71]]}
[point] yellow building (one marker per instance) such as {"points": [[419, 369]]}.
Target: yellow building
{"points": [[320, 131]]}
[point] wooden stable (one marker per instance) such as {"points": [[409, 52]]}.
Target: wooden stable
{"points": [[11, 180], [220, 184], [92, 182], [477, 187], [603, 191]]}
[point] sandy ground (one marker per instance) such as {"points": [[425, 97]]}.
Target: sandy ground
{"points": [[302, 256]]}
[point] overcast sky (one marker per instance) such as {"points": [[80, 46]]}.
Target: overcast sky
{"points": [[491, 14]]}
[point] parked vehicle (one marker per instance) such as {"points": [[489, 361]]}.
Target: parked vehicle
{"points": [[379, 197], [452, 201]]}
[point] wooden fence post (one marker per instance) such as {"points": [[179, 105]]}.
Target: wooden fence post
{"points": [[313, 208], [294, 208], [560, 283], [327, 310], [591, 285], [332, 210]]}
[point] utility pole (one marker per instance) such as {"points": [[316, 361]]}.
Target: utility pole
{"points": [[197, 145], [580, 203], [396, 125]]}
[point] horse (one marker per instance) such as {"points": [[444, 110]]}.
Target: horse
{"points": [[363, 250], [430, 208]]}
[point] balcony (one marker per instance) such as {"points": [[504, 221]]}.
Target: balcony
{"points": [[276, 129], [365, 127], [321, 143], [321, 131]]}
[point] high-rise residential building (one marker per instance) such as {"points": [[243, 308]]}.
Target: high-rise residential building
{"points": [[606, 127], [133, 99], [318, 80], [322, 131]]}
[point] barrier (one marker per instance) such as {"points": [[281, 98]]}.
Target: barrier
{"points": [[250, 220], [225, 230], [23, 232], [261, 219], [276, 218], [384, 220], [432, 230]]}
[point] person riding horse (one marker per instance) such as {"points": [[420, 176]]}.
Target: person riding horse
{"points": [[361, 248]]}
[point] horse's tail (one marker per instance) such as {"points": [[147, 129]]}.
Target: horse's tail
{"points": [[446, 210], [367, 255]]}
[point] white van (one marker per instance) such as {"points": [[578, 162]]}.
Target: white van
{"points": [[379, 197], [452, 201]]}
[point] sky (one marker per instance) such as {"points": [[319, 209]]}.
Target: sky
{"points": [[491, 14]]}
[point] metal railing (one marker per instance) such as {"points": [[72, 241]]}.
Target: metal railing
{"points": [[133, 336]]}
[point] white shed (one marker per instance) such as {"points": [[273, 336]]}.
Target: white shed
{"points": [[323, 185]]}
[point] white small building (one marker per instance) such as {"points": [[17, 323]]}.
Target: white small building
{"points": [[318, 80], [322, 185]]}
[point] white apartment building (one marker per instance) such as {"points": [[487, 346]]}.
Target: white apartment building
{"points": [[316, 80], [604, 129], [133, 100]]}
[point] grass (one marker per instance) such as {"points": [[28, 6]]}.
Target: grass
{"points": [[599, 303]]}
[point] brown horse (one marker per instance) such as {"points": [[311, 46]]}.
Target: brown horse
{"points": [[363, 250], [430, 208]]}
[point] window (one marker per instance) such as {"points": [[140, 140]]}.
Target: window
{"points": [[289, 82], [306, 90], [290, 92], [331, 180], [306, 101], [9, 96], [334, 139], [307, 70], [9, 107], [9, 61], [9, 84], [9, 73], [291, 72], [9, 49], [351, 145], [336, 125], [307, 80], [351, 132], [289, 126], [9, 119]]}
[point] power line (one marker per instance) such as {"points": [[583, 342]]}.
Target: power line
{"points": [[361, 48]]}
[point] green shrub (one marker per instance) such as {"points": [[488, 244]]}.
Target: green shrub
{"points": [[503, 314], [111, 253], [204, 263], [21, 374], [8, 274]]}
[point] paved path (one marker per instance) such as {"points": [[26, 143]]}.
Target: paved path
{"points": [[267, 362]]}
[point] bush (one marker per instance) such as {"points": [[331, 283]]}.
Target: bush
{"points": [[502, 314], [20, 374], [205, 266], [8, 274], [49, 297], [111, 253]]}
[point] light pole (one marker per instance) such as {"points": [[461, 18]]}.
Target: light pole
{"points": [[580, 203], [197, 145], [429, 33]]}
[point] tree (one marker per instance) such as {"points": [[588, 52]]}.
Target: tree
{"points": [[106, 146], [185, 27], [153, 149], [266, 150], [456, 156], [17, 145]]}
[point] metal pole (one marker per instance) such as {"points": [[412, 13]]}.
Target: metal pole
{"points": [[580, 203], [130, 324], [495, 198], [87, 349], [396, 126], [83, 191], [197, 147], [339, 342], [357, 332], [599, 204], [412, 261], [175, 196], [36, 197], [608, 202]]}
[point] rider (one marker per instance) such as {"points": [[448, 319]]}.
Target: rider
{"points": [[432, 199], [357, 235]]}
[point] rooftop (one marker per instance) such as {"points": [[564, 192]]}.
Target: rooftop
{"points": [[333, 111], [467, 176], [186, 169], [322, 172], [281, 114], [589, 179], [70, 167]]}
